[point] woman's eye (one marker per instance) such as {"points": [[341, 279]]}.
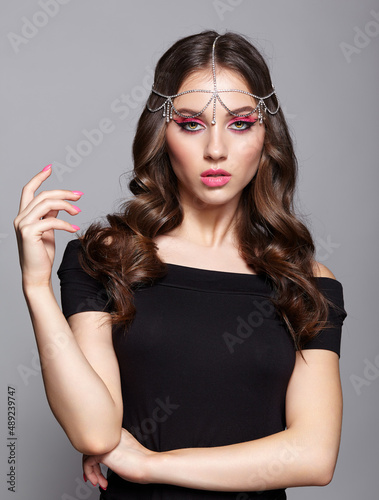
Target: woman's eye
{"points": [[190, 126], [241, 125]]}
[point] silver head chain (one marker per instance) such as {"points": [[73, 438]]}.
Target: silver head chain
{"points": [[168, 106]]}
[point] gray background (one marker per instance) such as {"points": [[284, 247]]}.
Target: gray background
{"points": [[68, 76]]}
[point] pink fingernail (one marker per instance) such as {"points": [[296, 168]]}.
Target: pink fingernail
{"points": [[84, 477], [75, 227], [77, 192], [47, 167], [102, 488], [76, 208]]}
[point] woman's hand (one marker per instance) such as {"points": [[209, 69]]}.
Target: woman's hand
{"points": [[92, 471], [128, 460], [35, 224]]}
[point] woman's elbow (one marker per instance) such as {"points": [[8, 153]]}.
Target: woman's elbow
{"points": [[325, 470], [325, 476], [90, 445]]}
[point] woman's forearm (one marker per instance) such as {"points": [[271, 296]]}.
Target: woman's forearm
{"points": [[285, 459], [78, 397]]}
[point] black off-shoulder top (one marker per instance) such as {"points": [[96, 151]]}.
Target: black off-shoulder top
{"points": [[205, 362]]}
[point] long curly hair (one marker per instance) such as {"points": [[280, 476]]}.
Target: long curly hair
{"points": [[272, 239]]}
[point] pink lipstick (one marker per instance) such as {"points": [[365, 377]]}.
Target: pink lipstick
{"points": [[216, 178]]}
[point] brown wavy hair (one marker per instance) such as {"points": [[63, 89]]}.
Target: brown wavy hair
{"points": [[273, 240]]}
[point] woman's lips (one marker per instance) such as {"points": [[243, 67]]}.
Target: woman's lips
{"points": [[214, 172], [217, 177]]}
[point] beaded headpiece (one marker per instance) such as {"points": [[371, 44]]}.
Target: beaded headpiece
{"points": [[168, 105]]}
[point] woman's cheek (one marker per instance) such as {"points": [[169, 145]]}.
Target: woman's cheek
{"points": [[177, 148], [250, 154], [182, 151]]}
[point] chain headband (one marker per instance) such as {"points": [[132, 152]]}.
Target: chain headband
{"points": [[168, 105]]}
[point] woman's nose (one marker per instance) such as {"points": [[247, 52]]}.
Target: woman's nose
{"points": [[215, 147]]}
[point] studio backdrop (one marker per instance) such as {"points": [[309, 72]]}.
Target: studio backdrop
{"points": [[75, 77]]}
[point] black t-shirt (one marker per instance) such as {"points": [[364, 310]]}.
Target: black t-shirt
{"points": [[205, 362]]}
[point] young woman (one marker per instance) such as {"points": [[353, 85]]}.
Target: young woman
{"points": [[197, 355]]}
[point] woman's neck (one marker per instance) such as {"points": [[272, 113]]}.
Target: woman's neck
{"points": [[211, 226]]}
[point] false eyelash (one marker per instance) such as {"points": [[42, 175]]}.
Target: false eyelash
{"points": [[246, 119]]}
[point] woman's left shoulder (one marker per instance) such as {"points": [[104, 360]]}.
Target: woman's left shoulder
{"points": [[321, 271]]}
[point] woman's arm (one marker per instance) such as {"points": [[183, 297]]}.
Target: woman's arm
{"points": [[304, 454], [80, 372], [79, 366]]}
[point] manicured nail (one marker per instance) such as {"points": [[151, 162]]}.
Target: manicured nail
{"points": [[76, 208], [79, 193], [84, 477], [102, 488], [47, 167], [75, 227]]}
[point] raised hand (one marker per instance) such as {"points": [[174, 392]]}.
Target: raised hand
{"points": [[35, 224]]}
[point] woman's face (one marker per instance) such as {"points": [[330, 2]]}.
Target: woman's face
{"points": [[213, 163]]}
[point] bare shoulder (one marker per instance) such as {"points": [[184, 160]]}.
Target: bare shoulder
{"points": [[321, 271]]}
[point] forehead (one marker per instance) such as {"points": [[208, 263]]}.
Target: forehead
{"points": [[203, 79]]}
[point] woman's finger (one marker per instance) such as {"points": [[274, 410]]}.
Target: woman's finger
{"points": [[44, 208], [103, 483], [58, 194], [35, 224], [43, 225], [92, 472], [88, 470], [52, 213], [31, 187]]}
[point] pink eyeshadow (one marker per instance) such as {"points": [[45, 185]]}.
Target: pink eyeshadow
{"points": [[244, 119], [188, 120]]}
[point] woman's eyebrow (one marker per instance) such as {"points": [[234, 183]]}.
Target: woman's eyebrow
{"points": [[187, 111], [244, 109], [237, 111]]}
